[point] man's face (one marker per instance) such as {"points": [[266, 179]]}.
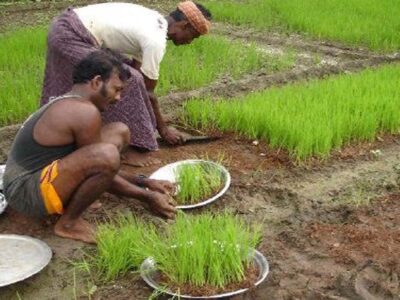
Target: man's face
{"points": [[110, 91], [184, 34]]}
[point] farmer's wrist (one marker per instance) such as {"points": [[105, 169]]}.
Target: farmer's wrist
{"points": [[141, 181]]}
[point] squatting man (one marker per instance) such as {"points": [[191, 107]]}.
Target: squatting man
{"points": [[63, 158]]}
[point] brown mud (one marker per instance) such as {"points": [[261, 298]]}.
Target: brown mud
{"points": [[331, 228]]}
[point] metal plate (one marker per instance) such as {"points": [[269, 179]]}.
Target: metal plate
{"points": [[168, 173], [21, 257], [2, 170], [148, 272], [3, 202]]}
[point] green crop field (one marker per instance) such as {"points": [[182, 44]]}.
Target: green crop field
{"points": [[23, 51], [310, 118], [370, 23]]}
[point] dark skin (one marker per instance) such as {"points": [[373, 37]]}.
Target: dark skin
{"points": [[181, 33], [94, 167]]}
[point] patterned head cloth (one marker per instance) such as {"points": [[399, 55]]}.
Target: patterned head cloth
{"points": [[195, 16]]}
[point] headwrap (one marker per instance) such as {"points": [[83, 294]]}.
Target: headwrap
{"points": [[195, 16]]}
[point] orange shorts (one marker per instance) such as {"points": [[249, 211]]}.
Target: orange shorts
{"points": [[51, 200]]}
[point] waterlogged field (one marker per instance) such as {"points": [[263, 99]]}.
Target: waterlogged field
{"points": [[22, 57], [310, 118], [369, 23]]}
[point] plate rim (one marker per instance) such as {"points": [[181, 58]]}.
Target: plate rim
{"points": [[257, 257], [48, 254], [210, 200]]}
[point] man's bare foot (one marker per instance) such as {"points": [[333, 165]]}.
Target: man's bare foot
{"points": [[95, 205], [139, 159], [78, 229]]}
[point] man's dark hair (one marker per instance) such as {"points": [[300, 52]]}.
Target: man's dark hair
{"points": [[178, 15], [100, 62]]}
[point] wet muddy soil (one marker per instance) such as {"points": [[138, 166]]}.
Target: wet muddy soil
{"points": [[331, 228]]}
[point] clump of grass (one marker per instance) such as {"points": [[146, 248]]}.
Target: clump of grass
{"points": [[370, 23], [199, 250], [196, 182], [120, 246], [22, 55], [309, 119], [206, 249]]}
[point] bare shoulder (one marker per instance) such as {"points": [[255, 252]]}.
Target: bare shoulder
{"points": [[76, 113]]}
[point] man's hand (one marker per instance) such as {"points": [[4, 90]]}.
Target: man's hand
{"points": [[162, 204], [172, 136], [161, 186]]}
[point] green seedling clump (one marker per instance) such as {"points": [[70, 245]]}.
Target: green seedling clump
{"points": [[370, 23], [197, 181], [309, 119], [199, 250], [120, 246]]}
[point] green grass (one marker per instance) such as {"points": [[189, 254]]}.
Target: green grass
{"points": [[199, 250], [210, 57], [309, 119], [22, 54], [197, 182], [370, 23]]}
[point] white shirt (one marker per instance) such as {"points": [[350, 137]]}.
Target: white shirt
{"points": [[130, 29]]}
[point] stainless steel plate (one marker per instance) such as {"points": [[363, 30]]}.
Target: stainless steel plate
{"points": [[21, 257], [168, 173], [148, 271], [2, 170]]}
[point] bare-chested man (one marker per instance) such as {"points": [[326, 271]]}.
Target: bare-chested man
{"points": [[63, 159]]}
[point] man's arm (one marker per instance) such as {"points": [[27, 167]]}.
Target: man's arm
{"points": [[86, 127], [168, 134]]}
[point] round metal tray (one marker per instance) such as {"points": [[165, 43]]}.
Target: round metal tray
{"points": [[2, 170], [168, 173], [3, 202], [21, 257], [148, 271]]}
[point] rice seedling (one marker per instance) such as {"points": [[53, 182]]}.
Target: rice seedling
{"points": [[197, 182], [309, 119], [195, 65], [22, 55], [120, 246], [23, 51], [205, 249], [368, 23], [200, 250]]}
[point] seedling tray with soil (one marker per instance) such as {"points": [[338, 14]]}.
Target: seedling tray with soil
{"points": [[204, 257], [199, 182]]}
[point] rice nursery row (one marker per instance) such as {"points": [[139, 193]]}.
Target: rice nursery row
{"points": [[370, 23], [309, 118], [23, 51], [196, 249]]}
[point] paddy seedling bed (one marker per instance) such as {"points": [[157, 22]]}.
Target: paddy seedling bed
{"points": [[319, 243], [309, 119], [355, 22]]}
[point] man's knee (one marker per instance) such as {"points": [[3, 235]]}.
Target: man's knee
{"points": [[106, 157]]}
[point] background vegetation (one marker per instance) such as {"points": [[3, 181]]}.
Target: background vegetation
{"points": [[309, 118], [370, 23]]}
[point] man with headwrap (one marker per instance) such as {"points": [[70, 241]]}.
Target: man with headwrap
{"points": [[138, 33]]}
